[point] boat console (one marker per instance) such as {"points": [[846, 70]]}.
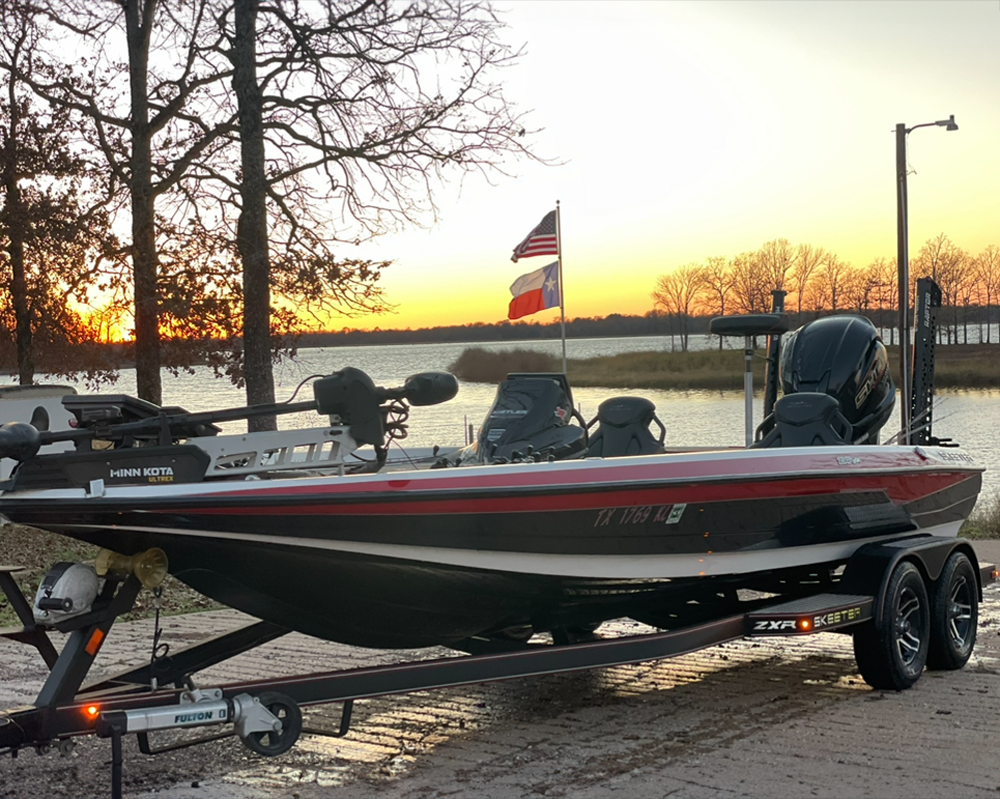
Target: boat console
{"points": [[529, 420]]}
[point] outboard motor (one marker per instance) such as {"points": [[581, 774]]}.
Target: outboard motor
{"points": [[838, 357], [529, 419], [623, 429]]}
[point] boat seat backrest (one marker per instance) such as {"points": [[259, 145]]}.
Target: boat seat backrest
{"points": [[803, 420], [623, 429]]}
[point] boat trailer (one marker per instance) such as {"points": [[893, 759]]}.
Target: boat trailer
{"points": [[908, 602]]}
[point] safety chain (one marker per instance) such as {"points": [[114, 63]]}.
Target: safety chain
{"points": [[159, 650]]}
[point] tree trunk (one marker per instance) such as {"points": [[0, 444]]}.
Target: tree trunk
{"points": [[251, 236], [14, 221], [144, 256], [19, 286]]}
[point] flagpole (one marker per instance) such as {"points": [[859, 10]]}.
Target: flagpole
{"points": [[562, 304]]}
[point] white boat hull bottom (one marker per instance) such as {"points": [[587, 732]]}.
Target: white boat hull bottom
{"points": [[609, 567]]}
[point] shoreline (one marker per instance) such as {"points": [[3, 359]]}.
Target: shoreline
{"points": [[957, 366]]}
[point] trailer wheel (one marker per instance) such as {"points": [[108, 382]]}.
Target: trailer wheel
{"points": [[954, 614], [288, 713], [892, 656]]}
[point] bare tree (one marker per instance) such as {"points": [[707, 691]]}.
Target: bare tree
{"points": [[807, 259], [883, 273], [48, 238], [948, 266], [987, 270], [144, 135], [831, 278], [777, 261], [751, 286], [717, 282], [859, 290], [365, 106], [676, 293]]}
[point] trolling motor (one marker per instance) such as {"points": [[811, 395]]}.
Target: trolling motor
{"points": [[352, 397], [121, 440]]}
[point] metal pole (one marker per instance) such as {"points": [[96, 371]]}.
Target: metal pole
{"points": [[773, 354], [562, 304], [748, 389], [903, 267]]}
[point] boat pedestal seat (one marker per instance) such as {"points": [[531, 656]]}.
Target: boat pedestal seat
{"points": [[623, 429], [804, 420]]}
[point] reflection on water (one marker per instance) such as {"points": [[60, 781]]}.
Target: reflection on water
{"points": [[701, 418]]}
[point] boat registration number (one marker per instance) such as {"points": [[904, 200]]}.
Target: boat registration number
{"points": [[640, 514]]}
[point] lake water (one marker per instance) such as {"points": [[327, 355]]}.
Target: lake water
{"points": [[702, 418]]}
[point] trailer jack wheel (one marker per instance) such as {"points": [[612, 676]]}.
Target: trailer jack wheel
{"points": [[892, 656], [276, 742], [954, 614]]}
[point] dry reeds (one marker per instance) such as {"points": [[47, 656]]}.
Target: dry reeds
{"points": [[478, 365]]}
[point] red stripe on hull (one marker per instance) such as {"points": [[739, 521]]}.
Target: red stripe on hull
{"points": [[898, 488], [770, 465]]}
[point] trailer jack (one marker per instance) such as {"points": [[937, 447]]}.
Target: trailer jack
{"points": [[268, 724]]}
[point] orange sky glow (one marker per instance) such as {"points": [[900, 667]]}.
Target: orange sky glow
{"points": [[696, 128], [693, 129]]}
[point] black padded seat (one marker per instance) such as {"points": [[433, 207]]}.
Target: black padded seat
{"points": [[804, 420], [623, 429]]}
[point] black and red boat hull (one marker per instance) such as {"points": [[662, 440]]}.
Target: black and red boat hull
{"points": [[429, 557]]}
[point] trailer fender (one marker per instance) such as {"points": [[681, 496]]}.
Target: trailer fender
{"points": [[872, 565]]}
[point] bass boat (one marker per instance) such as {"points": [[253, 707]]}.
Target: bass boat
{"points": [[543, 524]]}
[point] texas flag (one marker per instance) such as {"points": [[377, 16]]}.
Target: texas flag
{"points": [[535, 291]]}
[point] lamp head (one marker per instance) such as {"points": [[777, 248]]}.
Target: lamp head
{"points": [[948, 124]]}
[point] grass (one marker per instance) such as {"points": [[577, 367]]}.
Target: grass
{"points": [[38, 551], [967, 366], [984, 523], [701, 369], [478, 365], [956, 366]]}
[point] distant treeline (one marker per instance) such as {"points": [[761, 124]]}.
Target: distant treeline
{"points": [[653, 323], [614, 325]]}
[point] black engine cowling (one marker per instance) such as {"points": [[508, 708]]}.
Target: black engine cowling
{"points": [[842, 357]]}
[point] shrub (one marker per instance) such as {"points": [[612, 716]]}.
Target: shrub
{"points": [[985, 519], [477, 365]]}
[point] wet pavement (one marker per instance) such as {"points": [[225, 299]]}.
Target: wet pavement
{"points": [[753, 718]]}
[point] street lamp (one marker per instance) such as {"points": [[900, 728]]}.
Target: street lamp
{"points": [[903, 264]]}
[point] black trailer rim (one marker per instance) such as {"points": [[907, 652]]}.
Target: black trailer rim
{"points": [[960, 611], [910, 626]]}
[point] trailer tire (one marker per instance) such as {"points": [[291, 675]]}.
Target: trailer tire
{"points": [[954, 614], [891, 657], [271, 744]]}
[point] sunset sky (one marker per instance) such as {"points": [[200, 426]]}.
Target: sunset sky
{"points": [[693, 129]]}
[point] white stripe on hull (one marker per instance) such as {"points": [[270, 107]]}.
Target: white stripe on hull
{"points": [[612, 567]]}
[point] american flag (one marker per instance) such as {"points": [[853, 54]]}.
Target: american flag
{"points": [[540, 241]]}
